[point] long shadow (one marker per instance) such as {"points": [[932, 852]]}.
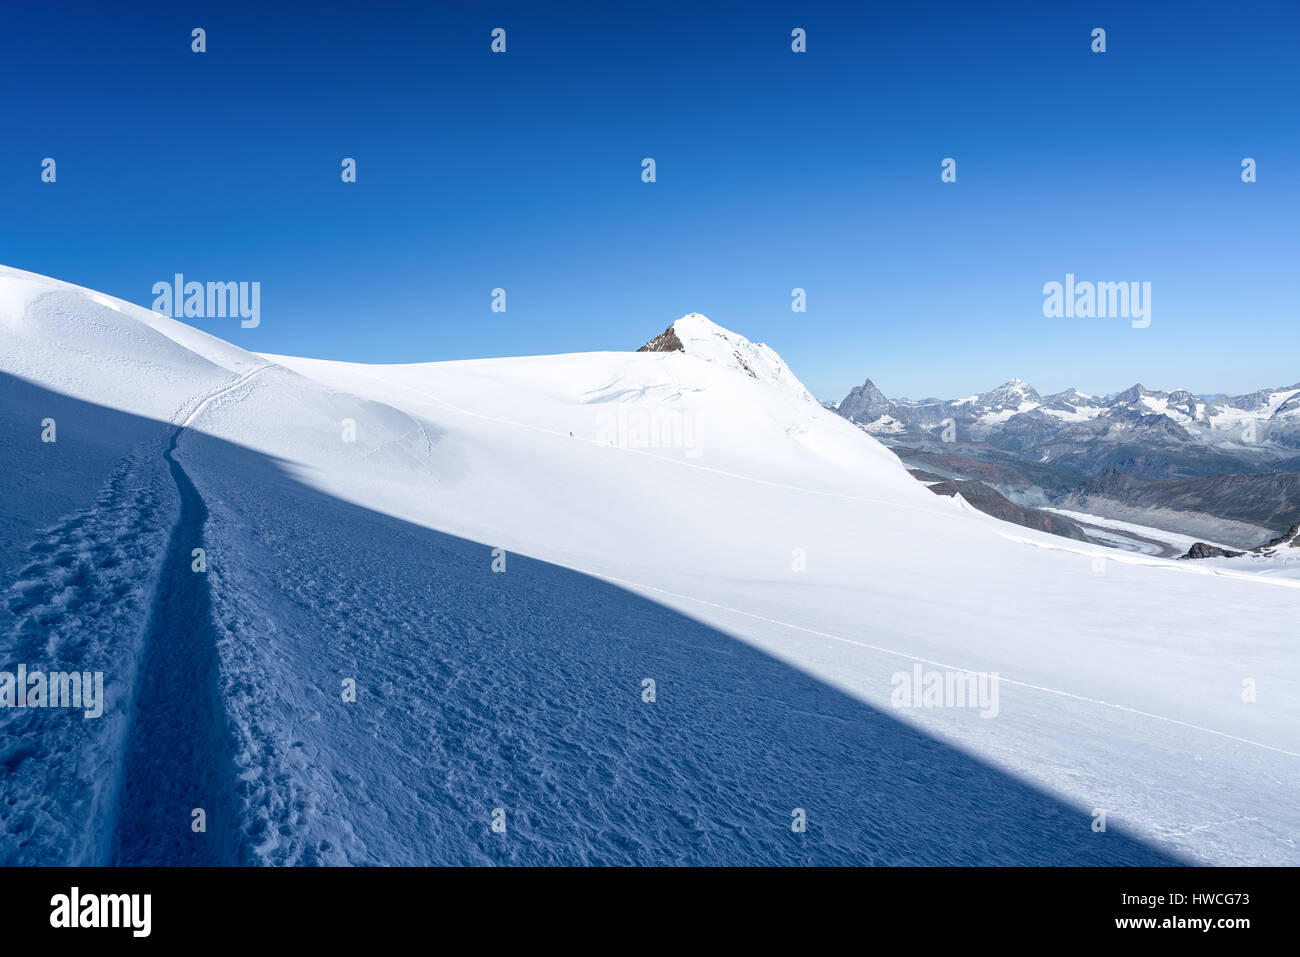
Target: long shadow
{"points": [[482, 698], [177, 752]]}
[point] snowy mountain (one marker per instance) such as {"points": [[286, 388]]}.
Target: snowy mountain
{"points": [[866, 403], [1147, 433], [696, 336], [638, 607]]}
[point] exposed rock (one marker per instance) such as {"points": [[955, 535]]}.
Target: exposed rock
{"points": [[866, 404], [1268, 500], [1202, 550], [699, 337], [1288, 539], [666, 341]]}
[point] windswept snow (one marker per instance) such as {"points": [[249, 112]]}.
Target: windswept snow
{"points": [[691, 517]]}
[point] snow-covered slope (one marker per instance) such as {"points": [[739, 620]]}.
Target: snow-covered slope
{"points": [[689, 516]]}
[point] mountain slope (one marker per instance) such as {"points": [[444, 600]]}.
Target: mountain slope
{"points": [[1247, 507], [991, 503], [689, 516]]}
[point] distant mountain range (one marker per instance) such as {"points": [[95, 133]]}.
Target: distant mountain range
{"points": [[1219, 466], [1140, 431]]}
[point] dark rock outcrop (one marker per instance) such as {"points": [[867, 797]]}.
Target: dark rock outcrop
{"points": [[666, 341], [1288, 539], [866, 403], [1202, 550]]}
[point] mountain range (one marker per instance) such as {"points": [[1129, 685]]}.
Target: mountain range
{"points": [[1143, 432], [1226, 467]]}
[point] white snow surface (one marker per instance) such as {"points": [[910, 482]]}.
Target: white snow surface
{"points": [[790, 567], [707, 340]]}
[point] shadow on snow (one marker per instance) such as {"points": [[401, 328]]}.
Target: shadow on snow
{"points": [[475, 691]]}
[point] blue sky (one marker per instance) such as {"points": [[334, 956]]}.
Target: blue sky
{"points": [[775, 170]]}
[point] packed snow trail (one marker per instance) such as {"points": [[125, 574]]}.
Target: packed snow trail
{"points": [[178, 756], [178, 751]]}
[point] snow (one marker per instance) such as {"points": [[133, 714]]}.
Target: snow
{"points": [[1284, 564], [1228, 417], [707, 340], [1000, 416], [1081, 413], [691, 517], [884, 424]]}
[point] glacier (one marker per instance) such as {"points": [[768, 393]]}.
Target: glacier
{"points": [[497, 576]]}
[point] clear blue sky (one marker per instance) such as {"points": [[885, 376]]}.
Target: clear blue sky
{"points": [[775, 170]]}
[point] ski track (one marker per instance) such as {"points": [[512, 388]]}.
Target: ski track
{"points": [[178, 755], [104, 592]]}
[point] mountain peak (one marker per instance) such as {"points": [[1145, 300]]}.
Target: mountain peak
{"points": [[698, 336], [1132, 393], [1016, 385], [1012, 393], [865, 403]]}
